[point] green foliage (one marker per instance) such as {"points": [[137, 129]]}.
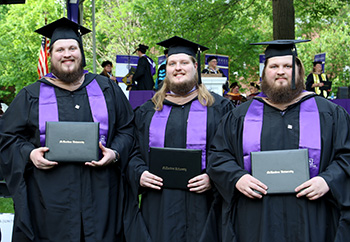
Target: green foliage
{"points": [[331, 34], [19, 44], [225, 26]]}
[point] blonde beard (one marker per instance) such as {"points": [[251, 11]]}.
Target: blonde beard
{"points": [[181, 88]]}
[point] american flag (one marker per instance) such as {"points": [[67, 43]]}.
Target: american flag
{"points": [[43, 68]]}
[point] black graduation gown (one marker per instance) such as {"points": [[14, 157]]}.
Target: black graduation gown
{"points": [[310, 81], [143, 76], [70, 199], [175, 215], [208, 71], [284, 218]]}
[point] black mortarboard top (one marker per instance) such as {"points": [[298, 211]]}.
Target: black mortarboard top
{"points": [[178, 45], [210, 58], [282, 47], [142, 48], [64, 28]]}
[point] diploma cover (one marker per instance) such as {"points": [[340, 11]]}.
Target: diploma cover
{"points": [[72, 141], [176, 166], [327, 85], [282, 170]]}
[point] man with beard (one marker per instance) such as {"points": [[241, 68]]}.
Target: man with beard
{"points": [[67, 201], [284, 117], [183, 114]]}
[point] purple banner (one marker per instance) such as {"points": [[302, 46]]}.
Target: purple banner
{"points": [[161, 59], [127, 59], [123, 65], [261, 65], [322, 58], [73, 10]]}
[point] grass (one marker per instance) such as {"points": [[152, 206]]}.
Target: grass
{"points": [[6, 205]]}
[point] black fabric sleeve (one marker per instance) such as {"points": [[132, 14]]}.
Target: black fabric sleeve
{"points": [[141, 69], [122, 120], [16, 130], [337, 173], [223, 166], [309, 82]]}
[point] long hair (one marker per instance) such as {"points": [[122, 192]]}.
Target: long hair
{"points": [[204, 96]]}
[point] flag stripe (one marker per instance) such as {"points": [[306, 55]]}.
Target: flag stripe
{"points": [[43, 68]]}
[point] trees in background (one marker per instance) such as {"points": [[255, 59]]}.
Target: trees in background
{"points": [[225, 26]]}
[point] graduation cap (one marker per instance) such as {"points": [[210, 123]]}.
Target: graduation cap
{"points": [[142, 48], [210, 58], [178, 45], [282, 48], [64, 28]]}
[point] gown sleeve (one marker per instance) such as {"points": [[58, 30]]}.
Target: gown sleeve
{"points": [[123, 137], [18, 137], [309, 82], [134, 225], [223, 167], [140, 70], [337, 173]]}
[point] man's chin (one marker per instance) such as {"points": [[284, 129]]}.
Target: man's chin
{"points": [[68, 69], [281, 83], [178, 79]]}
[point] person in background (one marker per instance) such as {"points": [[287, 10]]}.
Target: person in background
{"points": [[316, 80], [182, 114], [107, 70], [213, 69], [254, 90], [66, 201], [161, 72], [212, 66], [143, 76], [234, 94], [284, 117]]}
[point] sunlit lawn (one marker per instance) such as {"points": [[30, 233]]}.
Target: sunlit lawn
{"points": [[6, 205]]}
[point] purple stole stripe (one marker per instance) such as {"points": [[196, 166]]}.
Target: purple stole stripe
{"points": [[157, 127], [98, 108], [48, 110], [196, 128], [309, 137], [310, 133], [252, 131]]}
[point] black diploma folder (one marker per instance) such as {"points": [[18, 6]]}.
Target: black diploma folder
{"points": [[327, 85], [282, 170], [176, 166], [72, 141]]}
